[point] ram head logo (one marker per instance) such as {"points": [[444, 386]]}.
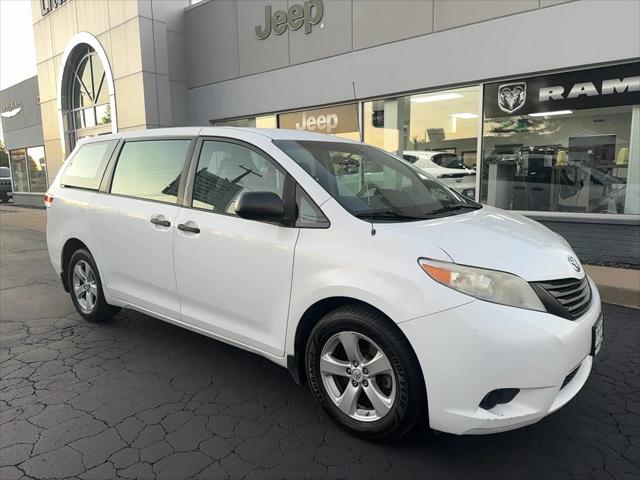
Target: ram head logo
{"points": [[511, 96]]}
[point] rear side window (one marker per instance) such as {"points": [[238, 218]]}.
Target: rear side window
{"points": [[87, 166], [150, 169]]}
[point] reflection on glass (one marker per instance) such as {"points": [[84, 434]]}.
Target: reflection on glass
{"points": [[19, 172], [86, 167], [225, 170], [583, 161], [386, 189], [438, 132], [148, 169], [37, 169]]}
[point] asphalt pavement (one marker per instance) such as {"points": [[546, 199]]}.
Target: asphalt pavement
{"points": [[139, 398]]}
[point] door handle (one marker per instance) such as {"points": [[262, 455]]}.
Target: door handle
{"points": [[186, 228], [162, 223]]}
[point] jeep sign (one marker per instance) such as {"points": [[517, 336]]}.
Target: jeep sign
{"points": [[582, 89], [339, 119], [308, 14]]}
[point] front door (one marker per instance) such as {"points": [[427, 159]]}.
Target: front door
{"points": [[234, 275], [133, 225]]}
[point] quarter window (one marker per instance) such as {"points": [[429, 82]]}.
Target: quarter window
{"points": [[150, 169], [87, 166], [309, 215], [226, 169]]}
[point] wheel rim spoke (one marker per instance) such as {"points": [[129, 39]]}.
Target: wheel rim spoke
{"points": [[378, 364], [380, 402], [349, 342], [348, 400], [79, 270], [332, 366]]}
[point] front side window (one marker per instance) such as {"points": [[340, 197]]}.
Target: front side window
{"points": [[225, 170], [86, 166], [368, 182], [150, 169]]}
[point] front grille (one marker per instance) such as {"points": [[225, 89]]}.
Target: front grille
{"points": [[569, 377], [568, 298]]}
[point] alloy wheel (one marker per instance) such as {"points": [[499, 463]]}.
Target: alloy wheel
{"points": [[85, 287], [357, 376]]}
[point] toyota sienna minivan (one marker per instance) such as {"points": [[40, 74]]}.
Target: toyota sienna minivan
{"points": [[395, 299]]}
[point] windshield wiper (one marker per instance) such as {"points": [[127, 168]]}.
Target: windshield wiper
{"points": [[388, 215], [454, 207]]}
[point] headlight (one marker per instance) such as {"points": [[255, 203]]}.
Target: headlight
{"points": [[490, 285]]}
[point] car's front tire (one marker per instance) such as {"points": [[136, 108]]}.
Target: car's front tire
{"points": [[85, 288], [364, 373]]}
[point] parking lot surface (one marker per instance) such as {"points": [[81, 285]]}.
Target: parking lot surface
{"points": [[139, 398]]}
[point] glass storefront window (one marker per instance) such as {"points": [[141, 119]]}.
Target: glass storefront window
{"points": [[37, 169], [577, 161], [262, 121], [436, 131], [339, 120], [567, 142], [19, 172], [29, 170]]}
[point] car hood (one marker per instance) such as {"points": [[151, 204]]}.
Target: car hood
{"points": [[498, 240]]}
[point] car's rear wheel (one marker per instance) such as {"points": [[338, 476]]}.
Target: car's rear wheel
{"points": [[85, 288], [363, 371]]}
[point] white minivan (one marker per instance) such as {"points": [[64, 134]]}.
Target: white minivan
{"points": [[396, 299]]}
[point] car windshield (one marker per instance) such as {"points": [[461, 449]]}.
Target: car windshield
{"points": [[370, 183], [5, 172]]}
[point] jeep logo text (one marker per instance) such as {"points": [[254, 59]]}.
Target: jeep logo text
{"points": [[326, 123], [308, 14]]}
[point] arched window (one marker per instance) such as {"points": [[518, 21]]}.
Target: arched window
{"points": [[87, 109]]}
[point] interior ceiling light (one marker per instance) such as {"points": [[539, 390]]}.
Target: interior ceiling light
{"points": [[465, 115], [550, 114], [436, 98]]}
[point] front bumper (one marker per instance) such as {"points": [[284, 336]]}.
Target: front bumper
{"points": [[468, 351]]}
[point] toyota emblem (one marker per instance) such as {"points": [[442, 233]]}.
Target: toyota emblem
{"points": [[574, 263]]}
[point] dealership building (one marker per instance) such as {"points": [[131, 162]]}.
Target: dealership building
{"points": [[541, 97]]}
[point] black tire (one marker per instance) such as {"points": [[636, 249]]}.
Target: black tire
{"points": [[410, 403], [101, 310]]}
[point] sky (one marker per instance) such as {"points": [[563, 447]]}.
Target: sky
{"points": [[17, 50]]}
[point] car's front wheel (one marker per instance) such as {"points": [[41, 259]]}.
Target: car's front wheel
{"points": [[85, 288], [363, 371]]}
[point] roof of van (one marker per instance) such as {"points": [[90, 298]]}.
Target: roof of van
{"points": [[273, 133]]}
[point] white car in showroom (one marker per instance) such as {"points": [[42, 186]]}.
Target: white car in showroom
{"points": [[395, 299], [446, 167]]}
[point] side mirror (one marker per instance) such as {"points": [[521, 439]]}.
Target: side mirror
{"points": [[264, 206]]}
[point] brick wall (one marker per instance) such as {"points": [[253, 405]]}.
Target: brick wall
{"points": [[601, 242]]}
